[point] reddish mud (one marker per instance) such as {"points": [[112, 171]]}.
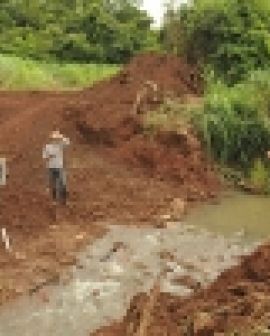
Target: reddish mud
{"points": [[237, 300], [116, 172]]}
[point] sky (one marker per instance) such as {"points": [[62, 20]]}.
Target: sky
{"points": [[155, 8]]}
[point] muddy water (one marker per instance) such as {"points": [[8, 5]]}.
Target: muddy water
{"points": [[127, 260], [249, 215]]}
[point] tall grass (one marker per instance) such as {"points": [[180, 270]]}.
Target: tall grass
{"points": [[235, 125], [24, 74], [234, 121]]}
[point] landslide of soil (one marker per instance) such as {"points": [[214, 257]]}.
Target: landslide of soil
{"points": [[116, 172], [239, 298]]}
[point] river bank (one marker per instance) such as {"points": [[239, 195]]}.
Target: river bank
{"points": [[118, 266]]}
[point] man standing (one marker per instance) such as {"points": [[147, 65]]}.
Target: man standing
{"points": [[53, 152]]}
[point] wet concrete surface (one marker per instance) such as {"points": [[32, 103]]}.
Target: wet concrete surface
{"points": [[127, 260]]}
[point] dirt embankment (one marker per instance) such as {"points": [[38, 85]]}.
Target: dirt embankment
{"points": [[119, 174], [237, 300], [104, 116], [240, 296]]}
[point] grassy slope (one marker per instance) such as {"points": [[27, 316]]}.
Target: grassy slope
{"points": [[21, 74]]}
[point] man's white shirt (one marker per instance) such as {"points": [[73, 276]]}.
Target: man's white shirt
{"points": [[54, 152]]}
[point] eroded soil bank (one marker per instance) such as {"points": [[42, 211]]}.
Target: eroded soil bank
{"points": [[238, 297], [116, 172], [109, 272]]}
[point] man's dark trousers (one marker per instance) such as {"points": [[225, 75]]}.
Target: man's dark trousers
{"points": [[58, 184]]}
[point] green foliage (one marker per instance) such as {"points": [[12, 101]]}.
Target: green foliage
{"points": [[17, 73], [171, 115], [100, 31], [235, 120], [233, 35], [259, 175]]}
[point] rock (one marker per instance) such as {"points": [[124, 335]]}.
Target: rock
{"points": [[43, 266], [160, 225], [167, 255], [221, 258], [203, 324], [79, 266], [186, 280], [168, 269], [43, 295], [79, 236], [19, 291], [240, 233], [4, 262], [124, 258], [223, 311], [148, 273], [116, 268], [178, 207], [66, 279], [240, 289], [20, 256], [152, 239], [261, 330], [96, 292], [140, 265], [68, 260], [118, 245], [165, 217]]}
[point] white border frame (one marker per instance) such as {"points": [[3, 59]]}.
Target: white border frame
{"points": [[3, 171]]}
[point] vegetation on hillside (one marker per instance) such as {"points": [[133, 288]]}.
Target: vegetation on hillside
{"points": [[17, 73], [230, 42], [98, 31], [232, 36]]}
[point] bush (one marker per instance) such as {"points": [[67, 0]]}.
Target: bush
{"points": [[234, 121], [231, 35], [83, 31], [259, 176]]}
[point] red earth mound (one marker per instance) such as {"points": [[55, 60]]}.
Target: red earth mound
{"points": [[237, 300], [103, 115], [116, 172]]}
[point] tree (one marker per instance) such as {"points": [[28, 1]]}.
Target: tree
{"points": [[233, 36], [74, 30]]}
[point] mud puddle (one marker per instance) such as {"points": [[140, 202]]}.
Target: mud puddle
{"points": [[124, 262], [247, 214]]}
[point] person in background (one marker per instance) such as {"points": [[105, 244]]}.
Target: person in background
{"points": [[53, 153]]}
